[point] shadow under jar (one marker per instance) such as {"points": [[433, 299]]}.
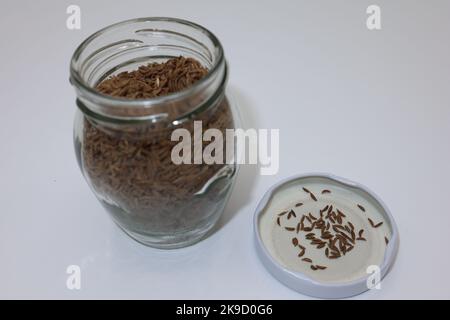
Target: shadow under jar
{"points": [[124, 147]]}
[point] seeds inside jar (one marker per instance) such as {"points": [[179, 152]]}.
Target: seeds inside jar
{"points": [[130, 165]]}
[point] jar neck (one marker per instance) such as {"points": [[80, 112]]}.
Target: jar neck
{"points": [[127, 45]]}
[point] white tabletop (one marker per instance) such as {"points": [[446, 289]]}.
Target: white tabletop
{"points": [[372, 106]]}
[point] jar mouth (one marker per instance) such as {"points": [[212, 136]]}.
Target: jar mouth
{"points": [[89, 92]]}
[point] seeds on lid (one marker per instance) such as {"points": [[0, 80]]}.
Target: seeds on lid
{"points": [[329, 231]]}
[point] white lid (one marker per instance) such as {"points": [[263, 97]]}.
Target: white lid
{"points": [[320, 235]]}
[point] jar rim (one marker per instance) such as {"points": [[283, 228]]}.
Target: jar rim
{"points": [[77, 80]]}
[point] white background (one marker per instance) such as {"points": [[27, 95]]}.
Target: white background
{"points": [[372, 106]]}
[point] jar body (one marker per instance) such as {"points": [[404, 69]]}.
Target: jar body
{"points": [[126, 153]]}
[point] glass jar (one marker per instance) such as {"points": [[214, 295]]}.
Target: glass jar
{"points": [[124, 147]]}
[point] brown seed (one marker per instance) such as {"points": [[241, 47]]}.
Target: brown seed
{"points": [[342, 237], [386, 240], [320, 246], [345, 237], [351, 225], [306, 190], [327, 236], [282, 213], [361, 208], [326, 191], [299, 204], [302, 219], [360, 233], [330, 209], [341, 213], [291, 214], [310, 234], [301, 247], [301, 253], [336, 252], [313, 267], [331, 243], [378, 224], [361, 239], [278, 221], [307, 260], [307, 229], [342, 244], [312, 217], [289, 229], [327, 252], [295, 242], [313, 196], [308, 218], [299, 225], [371, 222], [321, 267]]}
